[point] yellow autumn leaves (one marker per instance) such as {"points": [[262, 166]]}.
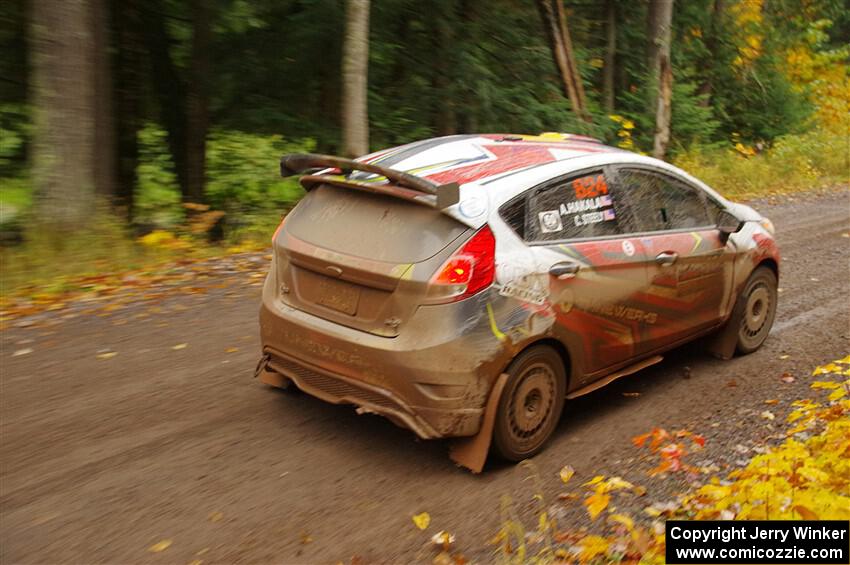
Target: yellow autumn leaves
{"points": [[601, 497], [422, 521], [806, 476], [624, 132]]}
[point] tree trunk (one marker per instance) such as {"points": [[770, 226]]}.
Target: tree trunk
{"points": [[660, 72], [127, 72], [663, 112], [555, 23], [169, 88], [63, 95], [104, 134], [445, 48], [197, 103], [355, 67], [610, 55], [567, 43]]}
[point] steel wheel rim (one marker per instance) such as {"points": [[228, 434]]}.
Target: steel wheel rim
{"points": [[532, 403], [756, 312]]}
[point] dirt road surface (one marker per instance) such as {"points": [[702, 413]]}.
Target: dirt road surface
{"points": [[105, 455]]}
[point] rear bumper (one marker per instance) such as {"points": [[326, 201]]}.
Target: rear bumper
{"points": [[433, 379]]}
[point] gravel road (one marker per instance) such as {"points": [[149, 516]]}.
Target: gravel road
{"points": [[105, 455]]}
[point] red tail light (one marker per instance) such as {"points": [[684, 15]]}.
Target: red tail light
{"points": [[471, 269]]}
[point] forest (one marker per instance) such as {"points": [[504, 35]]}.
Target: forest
{"points": [[167, 117]]}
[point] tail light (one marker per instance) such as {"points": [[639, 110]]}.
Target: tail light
{"points": [[469, 270]]}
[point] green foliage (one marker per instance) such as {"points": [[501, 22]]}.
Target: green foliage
{"points": [[157, 193], [451, 66], [761, 105], [243, 181], [15, 132], [693, 120], [243, 171]]}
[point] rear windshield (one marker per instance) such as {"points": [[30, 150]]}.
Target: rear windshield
{"points": [[371, 226]]}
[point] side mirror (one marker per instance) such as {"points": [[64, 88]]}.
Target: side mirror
{"points": [[728, 224]]}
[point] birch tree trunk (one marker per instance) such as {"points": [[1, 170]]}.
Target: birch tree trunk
{"points": [[355, 67], [660, 72]]}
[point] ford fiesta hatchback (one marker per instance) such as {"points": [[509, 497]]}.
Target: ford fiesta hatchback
{"points": [[468, 285]]}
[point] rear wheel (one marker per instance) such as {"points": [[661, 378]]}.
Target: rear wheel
{"points": [[531, 403], [755, 310]]}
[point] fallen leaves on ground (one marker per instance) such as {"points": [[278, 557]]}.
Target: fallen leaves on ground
{"points": [[109, 292], [806, 476], [216, 516], [669, 448], [443, 539], [596, 503], [422, 520], [160, 546]]}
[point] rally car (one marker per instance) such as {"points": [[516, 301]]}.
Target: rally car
{"points": [[466, 286]]}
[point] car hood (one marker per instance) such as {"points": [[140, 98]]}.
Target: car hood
{"points": [[744, 212]]}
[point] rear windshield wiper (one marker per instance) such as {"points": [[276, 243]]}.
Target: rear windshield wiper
{"points": [[403, 185]]}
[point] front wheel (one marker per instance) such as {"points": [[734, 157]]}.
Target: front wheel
{"points": [[531, 403], [755, 310]]}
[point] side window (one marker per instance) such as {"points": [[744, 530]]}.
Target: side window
{"points": [[579, 206], [660, 202], [714, 209], [514, 215]]}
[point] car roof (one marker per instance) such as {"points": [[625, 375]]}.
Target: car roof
{"points": [[479, 158]]}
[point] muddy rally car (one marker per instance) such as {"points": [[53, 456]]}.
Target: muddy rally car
{"points": [[466, 286]]}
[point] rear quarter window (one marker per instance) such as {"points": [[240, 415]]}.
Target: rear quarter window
{"points": [[575, 207]]}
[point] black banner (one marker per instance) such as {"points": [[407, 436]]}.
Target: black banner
{"points": [[758, 541]]}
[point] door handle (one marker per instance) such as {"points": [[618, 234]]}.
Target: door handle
{"points": [[564, 270], [666, 258]]}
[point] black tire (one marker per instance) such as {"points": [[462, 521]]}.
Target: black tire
{"points": [[531, 403], [755, 310]]}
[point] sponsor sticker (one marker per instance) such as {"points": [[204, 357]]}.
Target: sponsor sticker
{"points": [[585, 205], [525, 292], [550, 221], [628, 247]]}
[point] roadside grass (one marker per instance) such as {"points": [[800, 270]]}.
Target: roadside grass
{"points": [[807, 476], [810, 161], [45, 271]]}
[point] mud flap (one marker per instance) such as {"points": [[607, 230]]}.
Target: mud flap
{"points": [[724, 342], [268, 377], [472, 452]]}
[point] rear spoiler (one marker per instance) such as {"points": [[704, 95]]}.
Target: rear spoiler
{"points": [[402, 185]]}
